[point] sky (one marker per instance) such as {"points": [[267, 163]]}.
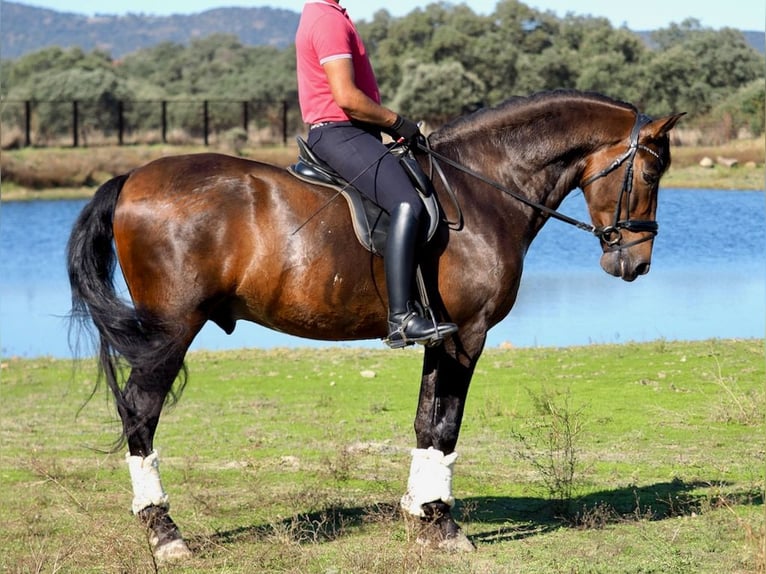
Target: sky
{"points": [[636, 15]]}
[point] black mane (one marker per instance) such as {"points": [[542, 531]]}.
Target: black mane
{"points": [[519, 104]]}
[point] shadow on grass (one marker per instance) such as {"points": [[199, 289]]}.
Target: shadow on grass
{"points": [[524, 517], [516, 517]]}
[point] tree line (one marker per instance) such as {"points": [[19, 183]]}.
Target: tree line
{"points": [[433, 65]]}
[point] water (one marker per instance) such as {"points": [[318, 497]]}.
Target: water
{"points": [[708, 279]]}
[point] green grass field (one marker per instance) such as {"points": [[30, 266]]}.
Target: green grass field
{"points": [[294, 460]]}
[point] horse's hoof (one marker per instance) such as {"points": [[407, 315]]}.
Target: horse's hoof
{"points": [[437, 530], [458, 543], [164, 536], [172, 551]]}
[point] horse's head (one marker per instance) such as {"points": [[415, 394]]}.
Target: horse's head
{"points": [[620, 183]]}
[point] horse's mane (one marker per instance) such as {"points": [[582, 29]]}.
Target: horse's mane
{"points": [[522, 106]]}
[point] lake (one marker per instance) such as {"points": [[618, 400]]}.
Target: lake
{"points": [[708, 279]]}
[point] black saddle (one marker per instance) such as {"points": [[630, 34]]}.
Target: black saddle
{"points": [[370, 221]]}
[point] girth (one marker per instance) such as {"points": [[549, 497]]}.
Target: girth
{"points": [[370, 221]]}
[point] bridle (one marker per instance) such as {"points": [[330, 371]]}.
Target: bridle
{"points": [[611, 235]]}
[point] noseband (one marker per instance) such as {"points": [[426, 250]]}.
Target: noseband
{"points": [[612, 234]]}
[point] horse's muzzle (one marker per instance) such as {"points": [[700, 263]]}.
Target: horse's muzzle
{"points": [[626, 265]]}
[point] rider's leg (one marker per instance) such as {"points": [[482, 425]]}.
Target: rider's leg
{"points": [[405, 326], [360, 157]]}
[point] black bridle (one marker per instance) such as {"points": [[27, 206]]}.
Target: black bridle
{"points": [[611, 235]]}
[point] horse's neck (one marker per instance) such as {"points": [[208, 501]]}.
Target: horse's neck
{"points": [[534, 146], [537, 174]]}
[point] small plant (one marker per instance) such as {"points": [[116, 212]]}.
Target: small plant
{"points": [[234, 140], [756, 539], [737, 406], [595, 517], [551, 446], [341, 466]]}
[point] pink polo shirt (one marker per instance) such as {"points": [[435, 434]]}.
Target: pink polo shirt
{"points": [[326, 33]]}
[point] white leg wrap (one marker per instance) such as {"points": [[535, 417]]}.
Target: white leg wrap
{"points": [[147, 487], [430, 480]]}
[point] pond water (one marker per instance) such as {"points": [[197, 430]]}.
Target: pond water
{"points": [[708, 279]]}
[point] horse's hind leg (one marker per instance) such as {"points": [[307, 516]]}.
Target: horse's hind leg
{"points": [[140, 407]]}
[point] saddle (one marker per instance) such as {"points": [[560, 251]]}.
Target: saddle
{"points": [[370, 221]]}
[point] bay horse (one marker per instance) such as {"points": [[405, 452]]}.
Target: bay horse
{"points": [[209, 237]]}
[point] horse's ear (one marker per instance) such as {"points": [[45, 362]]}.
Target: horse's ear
{"points": [[661, 126]]}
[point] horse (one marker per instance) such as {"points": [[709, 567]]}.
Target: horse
{"points": [[210, 237]]}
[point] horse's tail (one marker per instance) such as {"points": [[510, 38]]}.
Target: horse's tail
{"points": [[124, 334]]}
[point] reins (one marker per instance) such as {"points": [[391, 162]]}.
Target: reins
{"points": [[610, 234], [538, 206]]}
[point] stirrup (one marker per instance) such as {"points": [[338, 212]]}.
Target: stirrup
{"points": [[398, 338]]}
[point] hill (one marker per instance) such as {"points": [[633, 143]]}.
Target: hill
{"points": [[756, 39], [29, 29], [753, 38]]}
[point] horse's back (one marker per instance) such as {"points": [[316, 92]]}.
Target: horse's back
{"points": [[193, 174]]}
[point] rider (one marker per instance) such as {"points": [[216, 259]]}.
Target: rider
{"points": [[340, 100]]}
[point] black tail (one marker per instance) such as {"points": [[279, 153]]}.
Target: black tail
{"points": [[124, 335]]}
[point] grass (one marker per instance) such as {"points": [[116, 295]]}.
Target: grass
{"points": [[294, 460], [33, 173], [685, 170]]}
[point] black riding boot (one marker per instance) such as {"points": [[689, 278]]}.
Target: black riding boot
{"points": [[405, 326]]}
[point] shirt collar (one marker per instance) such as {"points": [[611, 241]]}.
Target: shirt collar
{"points": [[332, 4]]}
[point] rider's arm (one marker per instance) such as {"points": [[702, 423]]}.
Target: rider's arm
{"points": [[352, 100]]}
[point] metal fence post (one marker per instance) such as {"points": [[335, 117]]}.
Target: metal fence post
{"points": [[120, 121], [284, 122], [164, 122], [254, 112], [27, 123], [206, 119], [75, 124]]}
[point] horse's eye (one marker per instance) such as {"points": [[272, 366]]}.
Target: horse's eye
{"points": [[650, 177]]}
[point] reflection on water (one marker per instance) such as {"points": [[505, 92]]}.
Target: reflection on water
{"points": [[706, 281], [675, 305]]}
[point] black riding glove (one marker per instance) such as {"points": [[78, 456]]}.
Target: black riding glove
{"points": [[405, 129]]}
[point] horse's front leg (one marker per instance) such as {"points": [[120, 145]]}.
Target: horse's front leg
{"points": [[427, 505], [140, 410]]}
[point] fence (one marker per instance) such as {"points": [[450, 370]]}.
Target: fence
{"points": [[84, 123]]}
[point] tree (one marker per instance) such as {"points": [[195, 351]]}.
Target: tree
{"points": [[33, 66], [675, 34], [436, 93], [98, 92], [496, 63], [161, 66], [742, 110], [699, 69], [433, 62], [407, 39], [608, 61]]}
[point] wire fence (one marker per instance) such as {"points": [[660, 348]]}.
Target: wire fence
{"points": [[78, 123]]}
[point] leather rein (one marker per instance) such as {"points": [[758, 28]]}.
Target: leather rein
{"points": [[611, 235]]}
